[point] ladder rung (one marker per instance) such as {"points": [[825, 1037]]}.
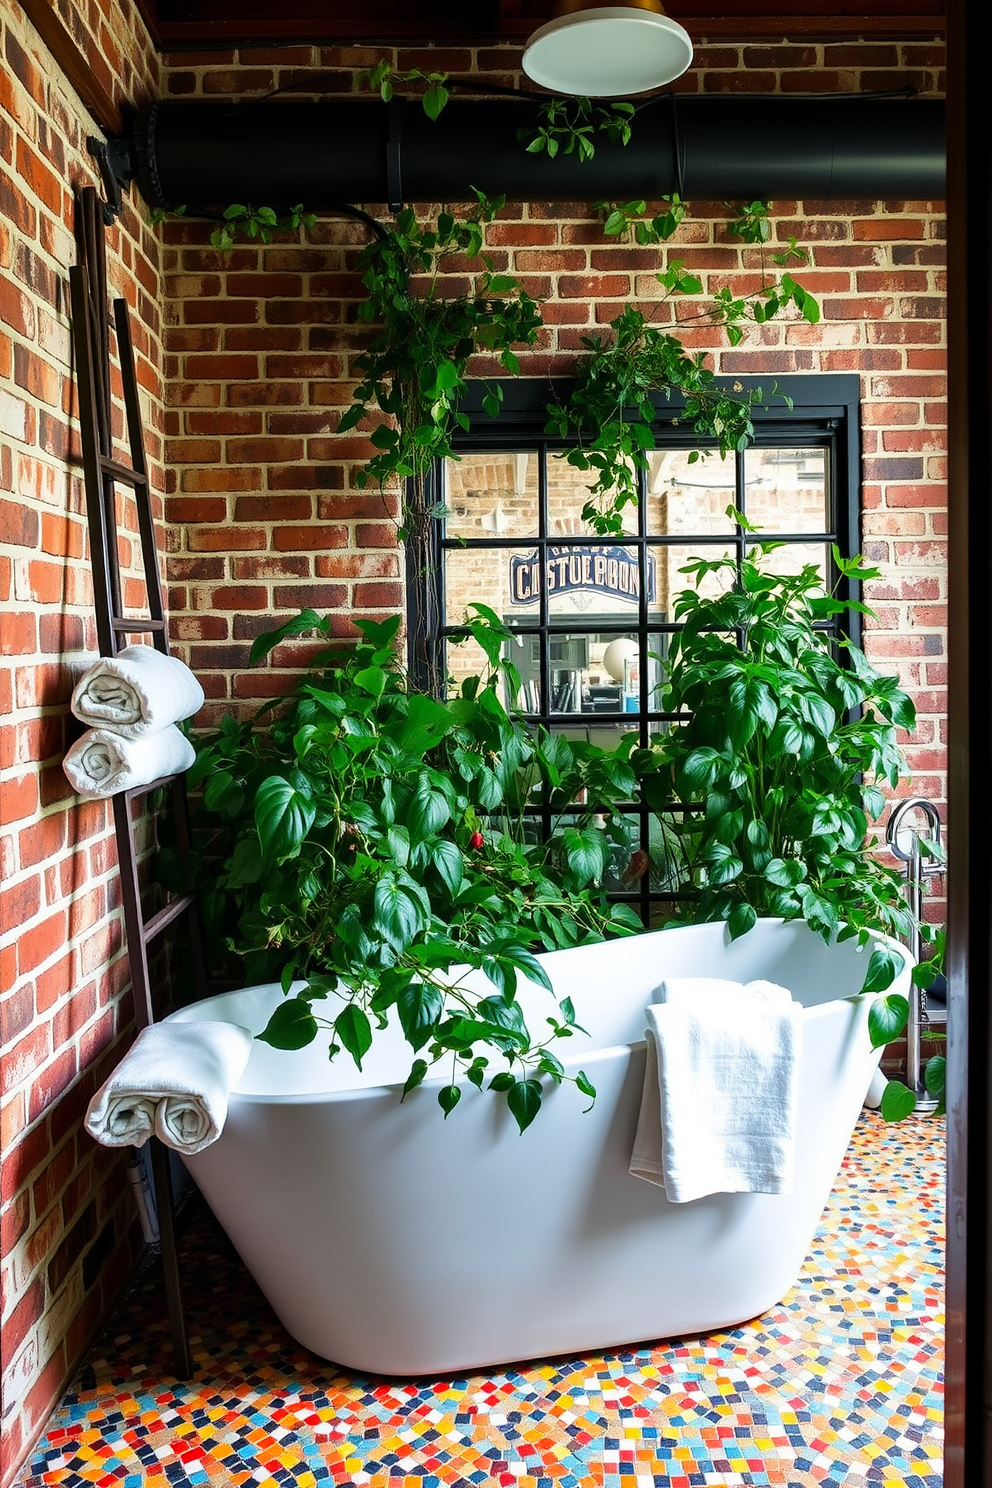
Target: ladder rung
{"points": [[122, 472], [165, 916], [145, 790], [134, 627]]}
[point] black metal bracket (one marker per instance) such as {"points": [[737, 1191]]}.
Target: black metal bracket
{"points": [[113, 158]]}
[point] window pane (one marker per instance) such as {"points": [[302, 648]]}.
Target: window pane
{"points": [[465, 659], [791, 558], [600, 581], [594, 674], [669, 865], [506, 579], [568, 492], [786, 489], [669, 581], [690, 497], [492, 495]]}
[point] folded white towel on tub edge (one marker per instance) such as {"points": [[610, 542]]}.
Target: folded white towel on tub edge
{"points": [[136, 693], [718, 1108], [175, 1081]]}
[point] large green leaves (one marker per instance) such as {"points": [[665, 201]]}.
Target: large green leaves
{"points": [[586, 852], [419, 1008], [887, 1018], [398, 914], [291, 1026], [284, 815]]}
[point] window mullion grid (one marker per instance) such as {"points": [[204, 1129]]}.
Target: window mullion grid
{"points": [[544, 660], [643, 735]]}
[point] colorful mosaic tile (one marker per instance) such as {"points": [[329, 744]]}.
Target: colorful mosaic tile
{"points": [[838, 1387]]}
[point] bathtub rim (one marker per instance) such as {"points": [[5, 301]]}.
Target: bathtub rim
{"points": [[571, 1064]]}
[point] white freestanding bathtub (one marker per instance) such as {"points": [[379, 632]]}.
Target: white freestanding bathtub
{"points": [[396, 1242]]}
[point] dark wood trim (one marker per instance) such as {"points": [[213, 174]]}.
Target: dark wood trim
{"points": [[148, 10], [344, 31], [74, 65], [968, 1414]]}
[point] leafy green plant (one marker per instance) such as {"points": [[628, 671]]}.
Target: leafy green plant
{"points": [[262, 223], [378, 844], [564, 124], [415, 366], [569, 126], [609, 415], [781, 754], [898, 1100], [383, 77]]}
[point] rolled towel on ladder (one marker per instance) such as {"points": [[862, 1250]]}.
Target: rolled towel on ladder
{"points": [[102, 762], [175, 1081], [136, 693]]}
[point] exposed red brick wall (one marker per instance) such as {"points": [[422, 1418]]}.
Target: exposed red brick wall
{"points": [[263, 509], [263, 515], [68, 1233]]}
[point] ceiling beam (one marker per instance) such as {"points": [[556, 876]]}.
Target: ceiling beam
{"points": [[233, 22]]}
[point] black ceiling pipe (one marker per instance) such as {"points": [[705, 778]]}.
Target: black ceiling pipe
{"points": [[322, 154]]}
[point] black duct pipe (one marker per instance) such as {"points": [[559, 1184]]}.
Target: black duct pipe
{"points": [[322, 154]]}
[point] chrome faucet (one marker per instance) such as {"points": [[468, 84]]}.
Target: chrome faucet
{"points": [[916, 872]]}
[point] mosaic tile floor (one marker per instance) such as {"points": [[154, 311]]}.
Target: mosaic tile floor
{"points": [[839, 1385]]}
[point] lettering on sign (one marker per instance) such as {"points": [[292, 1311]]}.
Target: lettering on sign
{"points": [[613, 571]]}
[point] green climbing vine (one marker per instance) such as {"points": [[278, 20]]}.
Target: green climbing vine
{"points": [[608, 417]]}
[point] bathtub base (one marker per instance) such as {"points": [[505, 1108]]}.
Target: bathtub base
{"points": [[394, 1242]]}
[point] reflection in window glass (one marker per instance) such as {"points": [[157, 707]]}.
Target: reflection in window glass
{"points": [[492, 495], [594, 581], [505, 579], [568, 492], [672, 559], [786, 489], [685, 496], [792, 558]]}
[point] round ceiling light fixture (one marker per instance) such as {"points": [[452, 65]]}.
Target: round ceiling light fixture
{"points": [[606, 49]]}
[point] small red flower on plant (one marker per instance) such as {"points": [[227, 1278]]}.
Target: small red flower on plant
{"points": [[476, 841]]}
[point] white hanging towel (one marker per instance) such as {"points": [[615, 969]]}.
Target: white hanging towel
{"points": [[136, 693], [718, 1108], [175, 1081], [101, 762]]}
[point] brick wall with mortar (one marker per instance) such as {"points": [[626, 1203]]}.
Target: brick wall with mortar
{"points": [[264, 511], [264, 515], [68, 1229]]}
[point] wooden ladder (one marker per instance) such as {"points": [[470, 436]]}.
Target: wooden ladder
{"points": [[102, 475]]}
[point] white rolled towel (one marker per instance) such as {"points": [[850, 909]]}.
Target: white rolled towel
{"points": [[136, 693], [175, 1081], [102, 762]]}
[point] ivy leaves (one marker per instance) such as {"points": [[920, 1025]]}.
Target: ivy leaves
{"points": [[414, 368], [608, 418], [610, 411], [570, 125], [382, 848], [778, 769]]}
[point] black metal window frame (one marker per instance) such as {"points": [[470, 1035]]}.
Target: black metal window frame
{"points": [[824, 412]]}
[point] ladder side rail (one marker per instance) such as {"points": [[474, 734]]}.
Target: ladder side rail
{"points": [[90, 238], [142, 491], [134, 925], [101, 539], [184, 851]]}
